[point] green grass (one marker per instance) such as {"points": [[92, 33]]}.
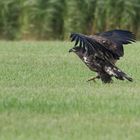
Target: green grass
{"points": [[44, 95]]}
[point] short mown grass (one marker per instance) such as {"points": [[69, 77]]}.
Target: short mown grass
{"points": [[44, 95]]}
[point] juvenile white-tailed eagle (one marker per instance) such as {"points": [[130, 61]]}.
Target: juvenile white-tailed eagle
{"points": [[101, 51]]}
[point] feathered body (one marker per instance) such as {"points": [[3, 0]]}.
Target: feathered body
{"points": [[101, 51]]}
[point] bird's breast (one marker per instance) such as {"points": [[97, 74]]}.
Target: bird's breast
{"points": [[85, 59], [90, 63]]}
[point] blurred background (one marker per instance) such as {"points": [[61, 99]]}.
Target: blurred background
{"points": [[56, 19]]}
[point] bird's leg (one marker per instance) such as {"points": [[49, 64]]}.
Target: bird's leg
{"points": [[93, 78]]}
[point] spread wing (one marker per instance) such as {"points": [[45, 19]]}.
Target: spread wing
{"points": [[92, 46], [117, 38]]}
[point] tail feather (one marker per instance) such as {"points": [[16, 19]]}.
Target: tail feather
{"points": [[117, 73]]}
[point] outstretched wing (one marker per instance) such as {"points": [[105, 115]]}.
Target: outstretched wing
{"points": [[119, 36], [92, 46]]}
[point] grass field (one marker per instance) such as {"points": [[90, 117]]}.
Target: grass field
{"points": [[44, 95]]}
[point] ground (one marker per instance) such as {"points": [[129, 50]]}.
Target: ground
{"points": [[44, 95]]}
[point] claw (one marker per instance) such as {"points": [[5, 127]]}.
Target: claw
{"points": [[93, 79]]}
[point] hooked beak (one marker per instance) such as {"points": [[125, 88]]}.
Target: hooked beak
{"points": [[71, 50]]}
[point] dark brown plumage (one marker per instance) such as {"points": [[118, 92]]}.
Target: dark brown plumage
{"points": [[101, 51]]}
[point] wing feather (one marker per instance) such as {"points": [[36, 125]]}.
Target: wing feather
{"points": [[119, 36], [116, 39], [92, 46]]}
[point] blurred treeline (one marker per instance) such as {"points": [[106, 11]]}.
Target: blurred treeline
{"points": [[55, 19]]}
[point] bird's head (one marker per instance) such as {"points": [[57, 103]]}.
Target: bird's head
{"points": [[75, 49], [78, 51]]}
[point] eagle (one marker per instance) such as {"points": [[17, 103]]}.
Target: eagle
{"points": [[101, 51]]}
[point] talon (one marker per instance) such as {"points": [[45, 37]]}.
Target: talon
{"points": [[93, 79]]}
